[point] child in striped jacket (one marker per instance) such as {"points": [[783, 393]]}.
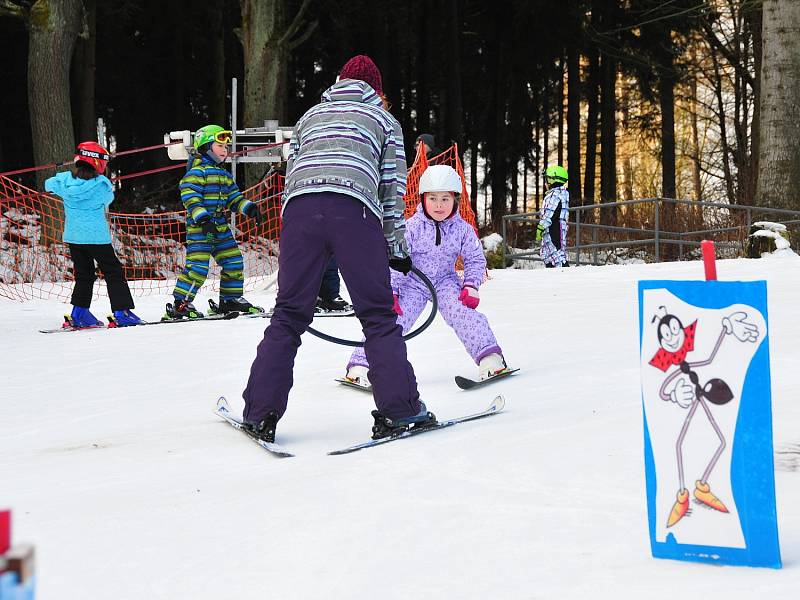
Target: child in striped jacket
{"points": [[207, 191]]}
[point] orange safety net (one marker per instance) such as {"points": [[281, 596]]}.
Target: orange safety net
{"points": [[35, 263], [421, 162]]}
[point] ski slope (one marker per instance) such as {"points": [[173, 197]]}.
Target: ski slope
{"points": [[130, 488]]}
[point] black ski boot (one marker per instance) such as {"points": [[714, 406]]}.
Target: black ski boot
{"points": [[386, 427], [239, 305], [332, 305], [182, 309], [263, 430]]}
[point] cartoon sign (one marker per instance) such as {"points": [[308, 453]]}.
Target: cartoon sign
{"points": [[708, 421]]}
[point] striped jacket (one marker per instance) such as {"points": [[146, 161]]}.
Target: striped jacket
{"points": [[207, 190], [350, 145]]}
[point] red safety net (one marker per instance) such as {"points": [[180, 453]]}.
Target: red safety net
{"points": [[35, 263]]}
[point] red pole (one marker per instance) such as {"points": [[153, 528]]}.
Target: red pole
{"points": [[709, 260]]}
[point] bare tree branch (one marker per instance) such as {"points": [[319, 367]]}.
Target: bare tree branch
{"points": [[294, 27], [296, 42]]}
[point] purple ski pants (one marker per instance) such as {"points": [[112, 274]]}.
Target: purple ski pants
{"points": [[316, 226], [471, 327]]}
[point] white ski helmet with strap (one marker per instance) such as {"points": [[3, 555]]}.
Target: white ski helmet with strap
{"points": [[440, 178]]}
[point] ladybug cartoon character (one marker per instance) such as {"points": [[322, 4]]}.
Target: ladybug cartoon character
{"points": [[683, 387]]}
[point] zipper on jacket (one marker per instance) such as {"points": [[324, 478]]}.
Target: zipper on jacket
{"points": [[363, 212], [438, 234]]}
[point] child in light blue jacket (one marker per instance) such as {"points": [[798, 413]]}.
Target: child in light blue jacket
{"points": [[87, 193]]}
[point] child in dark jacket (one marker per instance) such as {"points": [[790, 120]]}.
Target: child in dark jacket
{"points": [[87, 193]]}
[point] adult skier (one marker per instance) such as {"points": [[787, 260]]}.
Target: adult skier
{"points": [[343, 197]]}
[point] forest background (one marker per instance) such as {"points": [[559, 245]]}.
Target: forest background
{"points": [[695, 99]]}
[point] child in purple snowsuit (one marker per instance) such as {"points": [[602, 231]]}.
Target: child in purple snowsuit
{"points": [[436, 236], [345, 182]]}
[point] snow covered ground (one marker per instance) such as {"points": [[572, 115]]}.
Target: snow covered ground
{"points": [[130, 488]]}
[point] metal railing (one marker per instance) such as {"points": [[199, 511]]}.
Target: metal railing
{"points": [[654, 229]]}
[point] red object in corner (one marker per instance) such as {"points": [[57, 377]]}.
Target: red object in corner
{"points": [[709, 259], [5, 531]]}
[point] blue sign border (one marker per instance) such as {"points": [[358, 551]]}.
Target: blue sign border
{"points": [[752, 465]]}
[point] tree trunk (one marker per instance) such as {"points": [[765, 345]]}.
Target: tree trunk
{"points": [[560, 92], [83, 76], [54, 28], [514, 186], [592, 109], [498, 149], [453, 63], [574, 124], [753, 18], [666, 99], [693, 108], [217, 85], [627, 162], [473, 176], [263, 24], [423, 105], [608, 142], [779, 159]]}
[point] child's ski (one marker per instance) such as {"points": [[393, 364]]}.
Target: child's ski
{"points": [[223, 411], [495, 407], [468, 384], [66, 328], [346, 382]]}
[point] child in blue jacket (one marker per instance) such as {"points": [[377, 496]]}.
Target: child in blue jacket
{"points": [[87, 193]]}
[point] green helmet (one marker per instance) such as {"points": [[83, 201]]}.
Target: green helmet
{"points": [[211, 133], [556, 173]]}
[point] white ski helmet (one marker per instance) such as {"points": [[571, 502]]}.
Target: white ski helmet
{"points": [[440, 178]]}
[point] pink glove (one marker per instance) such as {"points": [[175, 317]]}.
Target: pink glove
{"points": [[469, 297], [396, 306]]}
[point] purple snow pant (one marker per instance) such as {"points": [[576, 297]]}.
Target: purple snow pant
{"points": [[471, 327], [316, 226]]}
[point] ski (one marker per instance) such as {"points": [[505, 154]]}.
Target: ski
{"points": [[494, 408], [346, 382], [223, 411], [65, 329], [321, 314], [468, 384]]}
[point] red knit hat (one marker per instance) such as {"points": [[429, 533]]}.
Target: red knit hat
{"points": [[361, 67]]}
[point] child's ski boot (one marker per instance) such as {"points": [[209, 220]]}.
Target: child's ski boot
{"points": [[81, 318], [182, 309], [123, 318], [490, 366], [239, 305], [386, 427]]}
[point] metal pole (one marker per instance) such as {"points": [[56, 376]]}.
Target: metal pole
{"points": [[577, 237], [234, 97]]}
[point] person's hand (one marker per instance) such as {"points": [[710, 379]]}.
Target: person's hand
{"points": [[254, 213], [209, 228], [539, 232], [396, 307], [469, 297], [402, 265]]}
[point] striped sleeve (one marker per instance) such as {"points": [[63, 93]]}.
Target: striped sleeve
{"points": [[236, 202], [191, 188], [391, 189]]}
